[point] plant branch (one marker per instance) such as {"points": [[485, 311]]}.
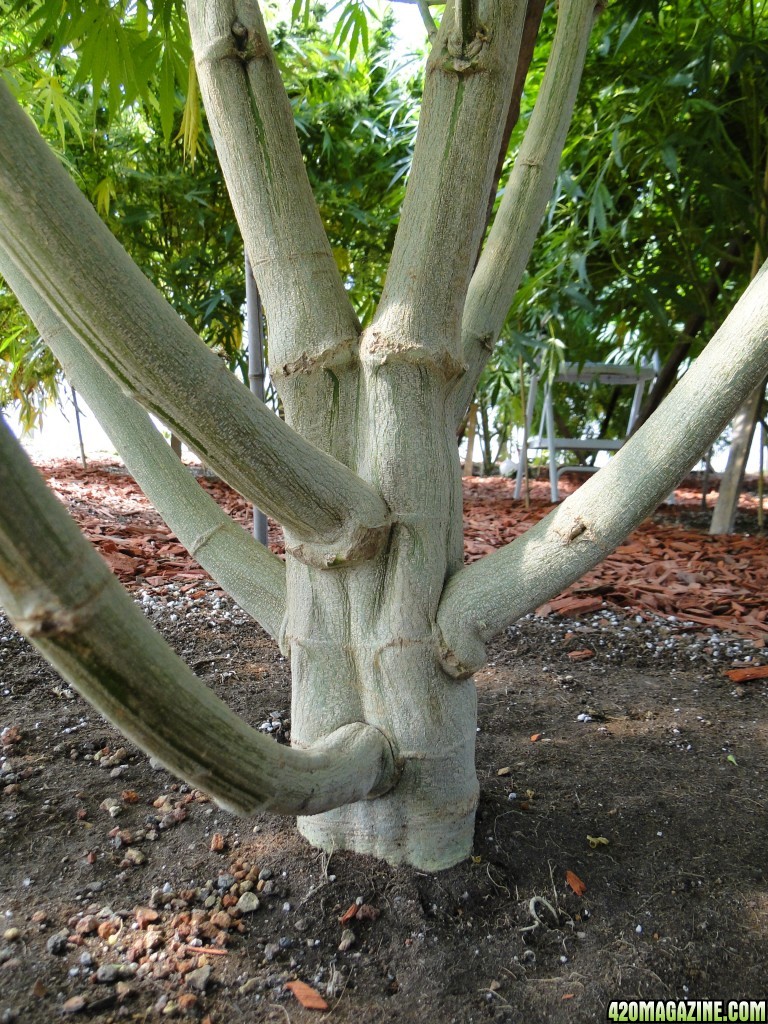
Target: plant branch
{"points": [[482, 599], [253, 576], [534, 12], [311, 319], [63, 598], [55, 237], [426, 17], [467, 88], [529, 188]]}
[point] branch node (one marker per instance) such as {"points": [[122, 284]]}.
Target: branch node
{"points": [[357, 545], [240, 32], [380, 348], [205, 537], [44, 620], [466, 38], [575, 531]]}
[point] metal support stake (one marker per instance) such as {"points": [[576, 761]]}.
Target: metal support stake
{"points": [[254, 318]]}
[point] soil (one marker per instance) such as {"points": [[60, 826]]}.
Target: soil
{"points": [[619, 851]]}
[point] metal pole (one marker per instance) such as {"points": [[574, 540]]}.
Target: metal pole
{"points": [[253, 312], [79, 429]]}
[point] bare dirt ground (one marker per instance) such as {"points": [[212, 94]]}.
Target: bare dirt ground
{"points": [[620, 844]]}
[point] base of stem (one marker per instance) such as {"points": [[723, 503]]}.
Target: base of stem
{"points": [[428, 838]]}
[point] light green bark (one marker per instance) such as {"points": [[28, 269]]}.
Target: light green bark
{"points": [[527, 192]]}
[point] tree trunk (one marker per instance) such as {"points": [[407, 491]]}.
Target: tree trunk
{"points": [[362, 642], [487, 441], [724, 516], [469, 460]]}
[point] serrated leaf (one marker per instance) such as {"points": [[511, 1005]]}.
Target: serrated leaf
{"points": [[103, 195], [191, 120]]}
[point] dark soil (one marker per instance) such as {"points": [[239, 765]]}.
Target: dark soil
{"points": [[640, 768]]}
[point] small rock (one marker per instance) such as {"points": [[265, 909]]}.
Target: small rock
{"points": [[133, 857], [199, 978], [75, 1004], [265, 874], [218, 842], [367, 913], [113, 807], [145, 916], [221, 919], [109, 928], [11, 934], [271, 950], [187, 1002], [347, 940], [110, 974], [86, 925], [248, 903], [57, 944], [225, 881], [10, 734]]}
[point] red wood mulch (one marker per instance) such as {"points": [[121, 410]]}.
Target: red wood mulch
{"points": [[718, 582]]}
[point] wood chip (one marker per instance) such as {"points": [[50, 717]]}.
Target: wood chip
{"points": [[575, 883], [583, 655], [744, 675], [348, 914], [309, 997]]}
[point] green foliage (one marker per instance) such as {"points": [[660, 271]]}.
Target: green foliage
{"points": [[27, 368], [115, 53], [664, 166]]}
